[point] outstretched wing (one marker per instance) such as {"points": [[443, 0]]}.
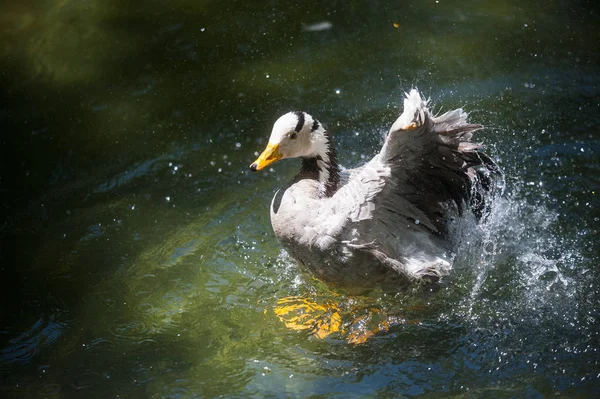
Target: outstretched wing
{"points": [[427, 172], [436, 166]]}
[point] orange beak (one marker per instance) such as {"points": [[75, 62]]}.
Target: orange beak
{"points": [[269, 155]]}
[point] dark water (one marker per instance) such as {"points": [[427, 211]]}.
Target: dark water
{"points": [[137, 254]]}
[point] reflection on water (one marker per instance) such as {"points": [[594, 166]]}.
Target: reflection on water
{"points": [[138, 257]]}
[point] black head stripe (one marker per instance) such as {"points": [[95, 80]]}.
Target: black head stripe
{"points": [[315, 125], [300, 116]]}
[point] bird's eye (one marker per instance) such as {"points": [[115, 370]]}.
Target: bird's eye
{"points": [[293, 136]]}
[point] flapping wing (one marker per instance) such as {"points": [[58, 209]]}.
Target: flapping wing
{"points": [[427, 172], [436, 166]]}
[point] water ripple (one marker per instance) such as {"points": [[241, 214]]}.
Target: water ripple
{"points": [[131, 330], [22, 349]]}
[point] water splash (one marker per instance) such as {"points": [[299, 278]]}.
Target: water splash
{"points": [[516, 255]]}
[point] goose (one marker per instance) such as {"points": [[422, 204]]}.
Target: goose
{"points": [[388, 222]]}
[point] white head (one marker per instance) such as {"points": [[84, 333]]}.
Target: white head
{"points": [[295, 134]]}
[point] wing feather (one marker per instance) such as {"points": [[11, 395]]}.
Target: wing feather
{"points": [[428, 172]]}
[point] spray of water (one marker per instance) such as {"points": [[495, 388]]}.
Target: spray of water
{"points": [[516, 255]]}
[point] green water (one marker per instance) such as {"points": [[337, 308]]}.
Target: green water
{"points": [[137, 254]]}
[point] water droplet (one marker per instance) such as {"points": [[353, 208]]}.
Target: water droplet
{"points": [[168, 198], [337, 91]]}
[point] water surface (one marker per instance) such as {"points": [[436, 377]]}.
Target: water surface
{"points": [[137, 254]]}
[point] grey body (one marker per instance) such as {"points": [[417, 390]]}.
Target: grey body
{"points": [[343, 241]]}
